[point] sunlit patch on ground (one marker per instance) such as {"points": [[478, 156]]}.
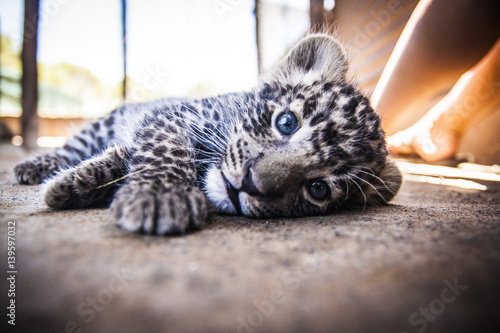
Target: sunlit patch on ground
{"points": [[42, 142], [463, 176], [50, 141]]}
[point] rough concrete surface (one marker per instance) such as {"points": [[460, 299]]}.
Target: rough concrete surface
{"points": [[428, 262]]}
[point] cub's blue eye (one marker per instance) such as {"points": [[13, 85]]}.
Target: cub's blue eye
{"points": [[318, 189], [287, 123]]}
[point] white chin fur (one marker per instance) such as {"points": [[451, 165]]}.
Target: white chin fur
{"points": [[216, 192]]}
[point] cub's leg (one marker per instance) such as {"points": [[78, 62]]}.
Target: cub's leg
{"points": [[160, 196], [90, 141], [92, 183]]}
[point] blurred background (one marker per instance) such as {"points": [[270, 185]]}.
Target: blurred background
{"points": [[193, 48], [190, 48], [82, 58]]}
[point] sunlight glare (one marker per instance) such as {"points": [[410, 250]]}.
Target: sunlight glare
{"points": [[50, 141], [17, 140], [459, 183], [444, 171]]}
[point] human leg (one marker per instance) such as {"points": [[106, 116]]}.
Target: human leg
{"points": [[476, 95], [442, 40]]}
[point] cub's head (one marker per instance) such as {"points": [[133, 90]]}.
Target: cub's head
{"points": [[306, 142]]}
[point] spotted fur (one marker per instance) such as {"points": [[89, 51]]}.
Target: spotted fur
{"points": [[161, 166]]}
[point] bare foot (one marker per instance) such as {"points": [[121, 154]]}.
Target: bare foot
{"points": [[429, 140]]}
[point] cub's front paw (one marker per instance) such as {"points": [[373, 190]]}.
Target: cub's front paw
{"points": [[168, 211], [36, 169], [59, 191], [91, 183], [78, 187]]}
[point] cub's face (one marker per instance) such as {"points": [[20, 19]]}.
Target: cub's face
{"points": [[310, 144]]}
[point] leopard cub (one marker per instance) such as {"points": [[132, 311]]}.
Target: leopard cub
{"points": [[304, 141]]}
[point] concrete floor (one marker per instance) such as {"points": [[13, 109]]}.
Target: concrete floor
{"points": [[428, 262]]}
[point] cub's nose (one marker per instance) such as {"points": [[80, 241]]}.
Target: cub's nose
{"points": [[247, 184]]}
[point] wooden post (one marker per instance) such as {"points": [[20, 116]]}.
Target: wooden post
{"points": [[124, 44], [317, 15], [29, 81]]}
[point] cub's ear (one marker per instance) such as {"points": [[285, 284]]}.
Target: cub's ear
{"points": [[319, 54]]}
